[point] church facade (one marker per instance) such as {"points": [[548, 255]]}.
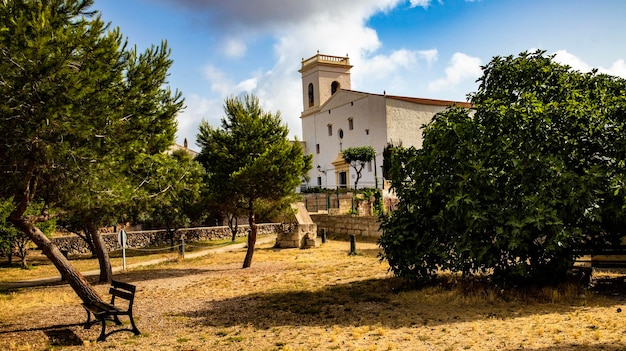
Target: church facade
{"points": [[334, 118]]}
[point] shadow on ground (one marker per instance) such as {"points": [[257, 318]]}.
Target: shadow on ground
{"points": [[63, 337], [135, 276], [50, 329], [368, 302]]}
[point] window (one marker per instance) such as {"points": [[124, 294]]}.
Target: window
{"points": [[317, 148], [369, 166], [319, 181], [330, 130], [367, 132], [311, 96], [340, 133], [350, 123], [334, 87]]}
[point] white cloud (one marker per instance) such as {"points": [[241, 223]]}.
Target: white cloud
{"points": [[462, 68], [618, 68], [235, 48], [566, 58], [395, 73], [422, 3], [198, 108], [382, 66], [247, 85], [330, 32], [430, 56], [219, 82], [300, 29]]}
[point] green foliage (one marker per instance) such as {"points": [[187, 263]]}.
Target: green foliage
{"points": [[175, 186], [8, 232], [353, 212], [78, 111], [357, 157], [387, 156], [250, 157], [78, 107], [519, 186], [376, 197], [14, 242]]}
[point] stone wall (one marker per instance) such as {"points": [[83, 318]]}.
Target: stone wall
{"points": [[302, 236], [74, 245], [365, 228]]}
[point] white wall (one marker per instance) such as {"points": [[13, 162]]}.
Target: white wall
{"points": [[405, 120], [368, 116]]}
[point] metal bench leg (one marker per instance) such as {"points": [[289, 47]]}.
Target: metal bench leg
{"points": [[117, 320], [103, 335], [88, 322], [132, 322]]}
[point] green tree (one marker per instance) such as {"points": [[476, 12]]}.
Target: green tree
{"points": [[249, 159], [8, 232], [14, 242], [176, 182], [78, 110], [357, 157], [521, 185]]}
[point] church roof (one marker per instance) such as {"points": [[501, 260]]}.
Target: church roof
{"points": [[415, 100], [176, 147], [433, 102]]}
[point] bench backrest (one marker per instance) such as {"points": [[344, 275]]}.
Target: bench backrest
{"points": [[123, 291]]}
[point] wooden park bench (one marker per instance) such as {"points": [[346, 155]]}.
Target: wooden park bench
{"points": [[104, 312], [604, 257]]}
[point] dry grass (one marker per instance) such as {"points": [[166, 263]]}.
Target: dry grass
{"points": [[319, 299], [40, 267]]}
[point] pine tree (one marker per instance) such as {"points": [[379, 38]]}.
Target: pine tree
{"points": [[249, 159], [78, 108]]}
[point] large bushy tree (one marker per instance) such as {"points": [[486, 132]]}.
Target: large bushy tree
{"points": [[521, 185], [77, 110], [250, 159]]}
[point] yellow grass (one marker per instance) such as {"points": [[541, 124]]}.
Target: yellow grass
{"points": [[317, 299], [40, 267]]}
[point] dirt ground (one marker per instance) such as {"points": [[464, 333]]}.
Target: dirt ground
{"points": [[316, 299]]}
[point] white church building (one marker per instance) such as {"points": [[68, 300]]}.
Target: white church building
{"points": [[334, 118]]}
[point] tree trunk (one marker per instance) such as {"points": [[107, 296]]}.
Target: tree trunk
{"points": [[76, 280], [21, 249], [247, 262], [87, 239], [23, 261], [233, 225], [101, 252]]}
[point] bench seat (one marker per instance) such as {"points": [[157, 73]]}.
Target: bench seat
{"points": [[103, 311]]}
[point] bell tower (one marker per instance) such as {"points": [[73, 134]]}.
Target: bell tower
{"points": [[322, 76]]}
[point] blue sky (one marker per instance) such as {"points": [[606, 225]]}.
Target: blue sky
{"points": [[419, 48]]}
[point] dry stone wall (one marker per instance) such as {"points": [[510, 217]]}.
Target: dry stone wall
{"points": [[342, 226], [74, 245]]}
